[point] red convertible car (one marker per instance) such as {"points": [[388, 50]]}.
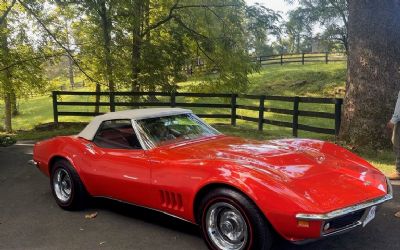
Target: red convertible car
{"points": [[240, 192]]}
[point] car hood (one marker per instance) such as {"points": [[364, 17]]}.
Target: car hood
{"points": [[319, 172]]}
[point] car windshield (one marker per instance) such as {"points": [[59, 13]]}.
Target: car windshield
{"points": [[171, 129]]}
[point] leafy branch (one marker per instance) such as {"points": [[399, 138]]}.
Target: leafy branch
{"points": [[74, 60], [8, 9], [176, 6], [19, 62]]}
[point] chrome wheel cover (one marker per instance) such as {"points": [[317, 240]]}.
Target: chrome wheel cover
{"points": [[62, 185], [226, 227]]}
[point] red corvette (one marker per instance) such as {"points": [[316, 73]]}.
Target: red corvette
{"points": [[240, 192]]}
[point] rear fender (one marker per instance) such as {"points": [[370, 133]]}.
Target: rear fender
{"points": [[63, 147]]}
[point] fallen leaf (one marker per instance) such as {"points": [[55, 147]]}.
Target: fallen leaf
{"points": [[91, 216], [81, 229], [397, 214]]}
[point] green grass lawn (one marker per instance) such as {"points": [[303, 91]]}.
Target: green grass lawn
{"points": [[312, 79]]}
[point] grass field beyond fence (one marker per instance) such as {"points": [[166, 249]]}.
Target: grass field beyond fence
{"points": [[224, 107], [311, 79]]}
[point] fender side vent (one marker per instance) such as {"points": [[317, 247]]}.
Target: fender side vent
{"points": [[171, 200]]}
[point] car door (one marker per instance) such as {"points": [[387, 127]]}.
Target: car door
{"points": [[118, 166]]}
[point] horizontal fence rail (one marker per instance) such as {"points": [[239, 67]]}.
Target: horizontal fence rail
{"points": [[230, 103], [300, 58]]}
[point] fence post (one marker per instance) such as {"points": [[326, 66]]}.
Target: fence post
{"points": [[112, 102], [281, 59], [233, 109], [326, 57], [261, 113], [296, 115], [302, 58], [98, 99], [338, 115], [55, 108], [173, 99]]}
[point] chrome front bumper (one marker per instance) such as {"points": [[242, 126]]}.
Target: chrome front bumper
{"points": [[337, 214]]}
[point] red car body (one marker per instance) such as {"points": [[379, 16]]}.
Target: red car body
{"points": [[298, 184]]}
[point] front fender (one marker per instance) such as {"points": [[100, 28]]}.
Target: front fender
{"points": [[275, 200]]}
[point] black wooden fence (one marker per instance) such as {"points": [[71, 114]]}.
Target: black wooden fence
{"points": [[230, 103], [300, 58]]}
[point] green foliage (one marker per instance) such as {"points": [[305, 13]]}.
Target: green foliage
{"points": [[7, 140], [299, 31], [172, 36], [22, 58], [141, 44], [332, 15], [261, 22]]}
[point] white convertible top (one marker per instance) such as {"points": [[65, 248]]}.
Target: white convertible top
{"points": [[134, 114]]}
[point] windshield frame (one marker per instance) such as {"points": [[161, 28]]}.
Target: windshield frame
{"points": [[148, 144]]}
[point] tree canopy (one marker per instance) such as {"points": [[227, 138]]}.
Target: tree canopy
{"points": [[142, 45]]}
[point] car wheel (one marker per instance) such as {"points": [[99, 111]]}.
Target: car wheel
{"points": [[67, 187], [231, 221]]}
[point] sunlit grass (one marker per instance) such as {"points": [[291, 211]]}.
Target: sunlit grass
{"points": [[320, 80], [313, 79]]}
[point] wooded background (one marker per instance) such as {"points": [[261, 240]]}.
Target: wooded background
{"points": [[149, 45]]}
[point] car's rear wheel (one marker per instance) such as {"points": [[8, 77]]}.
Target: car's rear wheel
{"points": [[231, 221], [66, 186]]}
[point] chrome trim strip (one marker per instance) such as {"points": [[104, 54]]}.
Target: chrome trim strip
{"points": [[339, 231], [139, 135], [206, 124], [347, 210], [343, 229], [148, 145]]}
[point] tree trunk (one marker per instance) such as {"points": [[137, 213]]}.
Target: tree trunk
{"points": [[6, 77], [345, 43], [8, 113], [14, 107], [136, 44], [106, 28], [71, 72], [373, 80], [98, 90], [70, 61], [7, 100]]}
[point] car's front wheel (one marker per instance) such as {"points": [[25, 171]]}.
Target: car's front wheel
{"points": [[231, 221], [66, 186]]}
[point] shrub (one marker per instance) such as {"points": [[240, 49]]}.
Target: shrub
{"points": [[7, 140]]}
